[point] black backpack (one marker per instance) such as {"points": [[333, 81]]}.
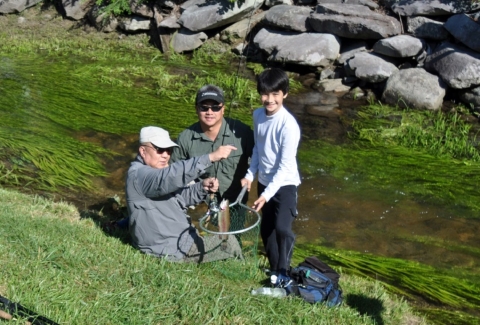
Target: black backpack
{"points": [[315, 282]]}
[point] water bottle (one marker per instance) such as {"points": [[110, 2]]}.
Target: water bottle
{"points": [[272, 292]]}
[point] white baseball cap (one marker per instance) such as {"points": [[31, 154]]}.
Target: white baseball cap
{"points": [[157, 136]]}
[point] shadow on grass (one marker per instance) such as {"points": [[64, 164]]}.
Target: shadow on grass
{"points": [[105, 214], [366, 306]]}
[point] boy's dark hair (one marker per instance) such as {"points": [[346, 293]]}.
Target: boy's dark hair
{"points": [[273, 79]]}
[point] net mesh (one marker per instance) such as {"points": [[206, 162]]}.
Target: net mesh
{"points": [[244, 226]]}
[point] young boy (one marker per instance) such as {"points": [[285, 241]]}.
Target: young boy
{"points": [[277, 135]]}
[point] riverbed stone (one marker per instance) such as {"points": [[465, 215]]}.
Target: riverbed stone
{"points": [[204, 15], [288, 18], [186, 40], [464, 29], [16, 6], [471, 96], [332, 85], [370, 67], [414, 88], [423, 27], [431, 7], [312, 49], [457, 65], [353, 21], [400, 46]]}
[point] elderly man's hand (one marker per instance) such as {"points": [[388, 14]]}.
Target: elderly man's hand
{"points": [[210, 184], [221, 153]]}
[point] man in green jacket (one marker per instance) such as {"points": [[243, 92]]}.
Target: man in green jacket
{"points": [[212, 131]]}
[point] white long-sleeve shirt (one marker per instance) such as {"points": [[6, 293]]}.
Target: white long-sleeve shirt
{"points": [[274, 155]]}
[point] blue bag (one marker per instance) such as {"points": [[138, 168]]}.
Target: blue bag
{"points": [[315, 282]]}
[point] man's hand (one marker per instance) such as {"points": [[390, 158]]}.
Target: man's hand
{"points": [[258, 204], [210, 184], [247, 182], [221, 153]]}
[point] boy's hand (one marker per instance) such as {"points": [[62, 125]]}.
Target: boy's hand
{"points": [[258, 204], [221, 153], [244, 182]]}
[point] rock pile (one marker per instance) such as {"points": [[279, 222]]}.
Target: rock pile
{"points": [[415, 52]]}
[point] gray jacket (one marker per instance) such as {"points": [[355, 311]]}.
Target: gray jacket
{"points": [[157, 201]]}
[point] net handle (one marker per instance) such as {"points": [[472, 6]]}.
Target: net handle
{"points": [[240, 196]]}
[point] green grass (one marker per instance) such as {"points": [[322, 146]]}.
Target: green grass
{"points": [[66, 268]]}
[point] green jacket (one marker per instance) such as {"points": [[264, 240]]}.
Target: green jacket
{"points": [[192, 142]]}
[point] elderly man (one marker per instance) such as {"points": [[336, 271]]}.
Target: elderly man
{"points": [[210, 133], [158, 197]]}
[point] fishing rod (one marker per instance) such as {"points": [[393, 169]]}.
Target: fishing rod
{"points": [[213, 205], [9, 308]]}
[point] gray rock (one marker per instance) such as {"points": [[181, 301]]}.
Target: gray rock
{"points": [[457, 65], [332, 85], [464, 29], [141, 9], [170, 22], [370, 67], [77, 9], [271, 3], [312, 49], [471, 96], [370, 4], [431, 7], [238, 31], [205, 15], [16, 6], [185, 40], [414, 88], [427, 28], [101, 21], [351, 49], [353, 21], [135, 24], [288, 17], [401, 46]]}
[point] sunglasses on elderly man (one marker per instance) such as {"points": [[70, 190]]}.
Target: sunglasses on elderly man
{"points": [[160, 150], [214, 108]]}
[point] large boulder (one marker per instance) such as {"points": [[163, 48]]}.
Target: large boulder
{"points": [[349, 49], [238, 32], [401, 46], [414, 88], [431, 7], [465, 29], [353, 21], [204, 15], [289, 18], [423, 27], [457, 65], [16, 6], [370, 67], [370, 4], [312, 49]]}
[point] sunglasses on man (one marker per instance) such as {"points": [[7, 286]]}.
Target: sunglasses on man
{"points": [[160, 150], [214, 108]]}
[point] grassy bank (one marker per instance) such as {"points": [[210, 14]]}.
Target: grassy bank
{"points": [[67, 269]]}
